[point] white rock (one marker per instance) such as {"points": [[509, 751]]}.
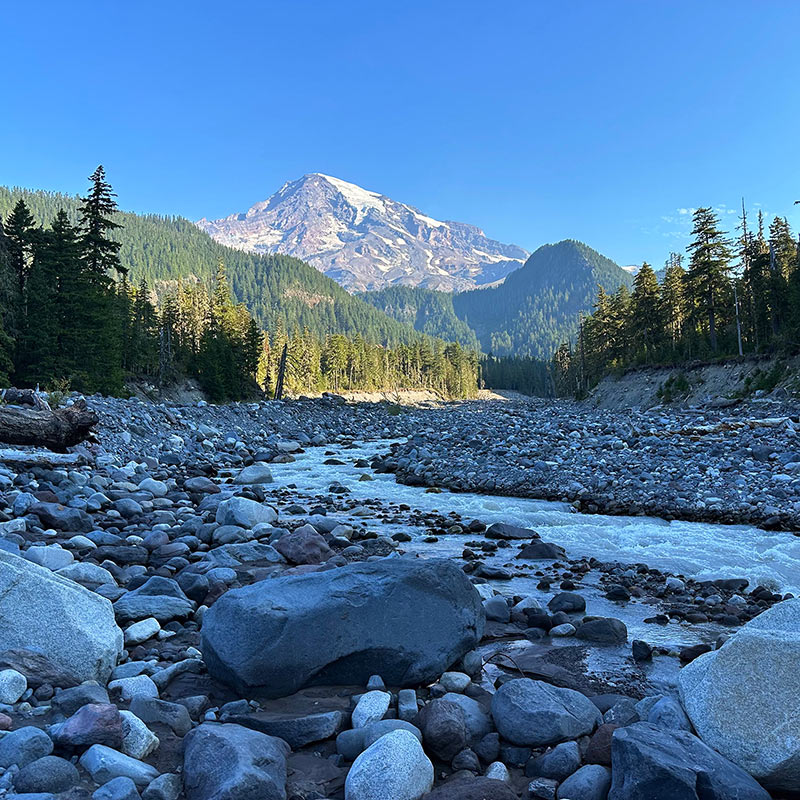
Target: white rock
{"points": [[743, 700], [244, 512], [138, 741], [370, 708], [86, 574], [455, 681], [137, 686], [156, 488], [142, 631], [52, 556], [73, 627], [13, 685], [395, 766], [257, 473], [498, 771]]}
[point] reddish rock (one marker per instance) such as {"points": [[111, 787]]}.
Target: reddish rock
{"points": [[94, 723]]}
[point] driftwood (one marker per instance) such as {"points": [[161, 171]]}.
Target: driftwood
{"points": [[41, 458], [56, 430]]}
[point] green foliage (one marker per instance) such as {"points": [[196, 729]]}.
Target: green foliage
{"points": [[765, 380], [277, 289], [700, 313], [538, 306], [522, 374], [675, 387], [426, 310], [339, 364]]}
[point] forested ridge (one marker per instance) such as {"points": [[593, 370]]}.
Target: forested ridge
{"points": [[163, 249], [731, 295], [538, 306], [426, 310], [79, 310]]}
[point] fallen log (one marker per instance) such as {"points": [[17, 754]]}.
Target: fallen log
{"points": [[56, 430], [41, 458]]}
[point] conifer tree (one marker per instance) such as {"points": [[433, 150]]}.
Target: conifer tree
{"points": [[646, 321], [709, 268], [95, 294]]}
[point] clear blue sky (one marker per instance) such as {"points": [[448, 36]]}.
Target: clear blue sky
{"points": [[536, 121]]}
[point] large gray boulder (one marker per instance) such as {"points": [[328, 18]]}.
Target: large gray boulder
{"points": [[658, 764], [406, 620], [743, 699], [229, 762], [532, 713], [73, 627]]}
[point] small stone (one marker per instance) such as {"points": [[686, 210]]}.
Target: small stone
{"points": [[371, 707], [142, 631], [455, 681], [104, 764], [13, 685], [24, 745], [165, 787], [565, 629], [395, 766], [121, 788], [47, 774], [641, 650], [407, 704], [138, 741]]}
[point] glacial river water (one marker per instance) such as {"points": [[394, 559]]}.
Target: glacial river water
{"points": [[697, 550]]}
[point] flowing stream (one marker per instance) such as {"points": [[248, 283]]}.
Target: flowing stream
{"points": [[696, 550]]}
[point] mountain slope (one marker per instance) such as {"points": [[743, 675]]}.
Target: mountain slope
{"points": [[275, 288], [365, 240], [538, 306], [426, 310]]}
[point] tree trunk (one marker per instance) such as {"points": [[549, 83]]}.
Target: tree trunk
{"points": [[56, 430]]}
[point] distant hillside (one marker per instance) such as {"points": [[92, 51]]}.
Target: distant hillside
{"points": [[538, 306], [426, 310], [274, 287]]}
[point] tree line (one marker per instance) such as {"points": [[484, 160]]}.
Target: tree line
{"points": [[337, 363], [70, 317], [735, 296]]}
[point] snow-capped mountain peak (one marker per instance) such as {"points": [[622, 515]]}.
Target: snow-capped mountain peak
{"points": [[365, 240]]}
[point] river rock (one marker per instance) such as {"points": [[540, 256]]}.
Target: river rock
{"points": [[590, 782], [62, 518], [395, 766], [13, 685], [255, 473], [402, 619], [94, 723], [159, 597], [245, 513], [743, 701], [229, 762], [49, 774], [105, 764], [541, 551], [24, 745], [303, 546], [73, 627], [603, 630], [444, 728], [657, 764], [532, 713], [502, 530]]}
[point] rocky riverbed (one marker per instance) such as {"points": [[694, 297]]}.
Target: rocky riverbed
{"points": [[239, 601]]}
